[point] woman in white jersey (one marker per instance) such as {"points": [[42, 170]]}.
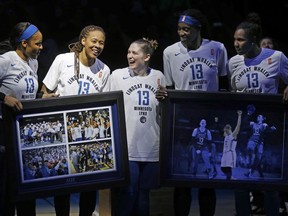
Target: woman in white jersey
{"points": [[19, 81], [228, 160], [256, 70], [197, 64], [139, 83], [75, 73]]}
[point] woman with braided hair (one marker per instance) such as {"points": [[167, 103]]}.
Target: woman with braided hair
{"points": [[76, 73], [79, 71]]}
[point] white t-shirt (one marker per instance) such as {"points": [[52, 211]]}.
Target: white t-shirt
{"points": [[61, 75], [141, 111], [196, 70], [17, 77], [260, 74]]}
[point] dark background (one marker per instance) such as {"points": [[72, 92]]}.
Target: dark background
{"points": [[61, 21]]}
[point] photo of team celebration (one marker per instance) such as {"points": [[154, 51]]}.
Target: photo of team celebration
{"points": [[42, 130], [65, 143]]}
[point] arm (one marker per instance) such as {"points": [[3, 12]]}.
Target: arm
{"points": [[285, 94], [222, 67], [161, 92], [237, 128], [105, 80]]}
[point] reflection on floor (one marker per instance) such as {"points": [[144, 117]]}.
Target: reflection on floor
{"points": [[161, 204]]}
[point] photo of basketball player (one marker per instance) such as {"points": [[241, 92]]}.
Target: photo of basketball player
{"points": [[256, 143], [263, 153], [202, 140], [228, 160]]}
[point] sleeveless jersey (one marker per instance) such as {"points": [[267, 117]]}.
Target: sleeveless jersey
{"points": [[229, 143], [201, 137], [258, 132], [229, 152], [141, 113], [260, 74], [196, 70], [61, 75], [17, 77]]}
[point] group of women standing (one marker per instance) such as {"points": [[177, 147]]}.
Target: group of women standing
{"points": [[194, 63]]}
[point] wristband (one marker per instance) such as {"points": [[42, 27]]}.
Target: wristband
{"points": [[2, 96]]}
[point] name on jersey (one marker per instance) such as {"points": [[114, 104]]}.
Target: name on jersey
{"points": [[140, 85], [248, 69], [193, 60], [198, 84], [23, 74], [81, 76]]}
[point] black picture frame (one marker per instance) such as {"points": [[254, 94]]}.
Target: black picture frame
{"points": [[45, 162], [181, 113]]}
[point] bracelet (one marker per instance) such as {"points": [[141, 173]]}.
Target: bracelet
{"points": [[2, 96]]}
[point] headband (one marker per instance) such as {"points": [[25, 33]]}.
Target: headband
{"points": [[189, 20], [28, 32]]}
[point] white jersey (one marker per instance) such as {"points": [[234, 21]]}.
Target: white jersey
{"points": [[229, 152], [260, 74], [18, 78], [143, 131], [196, 70], [61, 75]]}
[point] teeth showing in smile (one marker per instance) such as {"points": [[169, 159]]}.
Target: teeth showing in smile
{"points": [[95, 52]]}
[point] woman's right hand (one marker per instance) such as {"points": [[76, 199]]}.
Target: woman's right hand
{"points": [[13, 102]]}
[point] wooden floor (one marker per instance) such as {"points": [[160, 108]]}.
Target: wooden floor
{"points": [[161, 204]]}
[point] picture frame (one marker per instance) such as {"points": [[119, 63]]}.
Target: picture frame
{"points": [[66, 145], [259, 162]]}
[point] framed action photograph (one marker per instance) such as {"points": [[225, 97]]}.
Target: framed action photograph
{"points": [[67, 144], [224, 140]]}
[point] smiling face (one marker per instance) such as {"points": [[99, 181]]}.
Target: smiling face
{"points": [[188, 34], [93, 44], [137, 59], [32, 47]]}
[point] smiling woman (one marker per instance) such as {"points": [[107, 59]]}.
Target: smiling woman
{"points": [[139, 83], [79, 72], [18, 81]]}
